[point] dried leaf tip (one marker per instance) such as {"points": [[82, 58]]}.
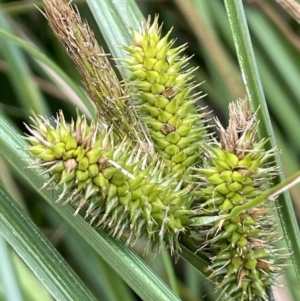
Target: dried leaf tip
{"points": [[242, 129]]}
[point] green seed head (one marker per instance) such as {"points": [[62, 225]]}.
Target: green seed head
{"points": [[113, 182], [164, 95], [244, 260]]}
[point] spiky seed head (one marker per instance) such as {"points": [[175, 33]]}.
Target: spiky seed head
{"points": [[164, 95], [113, 182], [244, 261]]}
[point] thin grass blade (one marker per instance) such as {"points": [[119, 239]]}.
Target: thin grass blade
{"points": [[38, 253], [8, 276], [115, 20], [19, 73], [36, 53]]}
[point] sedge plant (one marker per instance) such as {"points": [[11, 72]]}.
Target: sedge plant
{"points": [[146, 167]]}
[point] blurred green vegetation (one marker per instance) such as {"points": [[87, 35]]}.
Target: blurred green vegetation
{"points": [[27, 84]]}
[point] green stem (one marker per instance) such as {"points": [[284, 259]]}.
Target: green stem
{"points": [[170, 272], [268, 195], [271, 193]]}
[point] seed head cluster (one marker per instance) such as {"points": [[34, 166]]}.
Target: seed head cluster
{"points": [[146, 167]]}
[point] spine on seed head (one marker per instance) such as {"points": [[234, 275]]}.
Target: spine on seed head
{"points": [[111, 181], [164, 95], [244, 260]]}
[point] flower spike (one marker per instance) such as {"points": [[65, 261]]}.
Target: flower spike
{"points": [[111, 181], [244, 260], [163, 93]]}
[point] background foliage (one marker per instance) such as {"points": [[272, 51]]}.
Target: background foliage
{"points": [[26, 83]]}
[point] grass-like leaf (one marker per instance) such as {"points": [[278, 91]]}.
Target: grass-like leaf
{"points": [[115, 20], [25, 88], [10, 282], [38, 253], [36, 53]]}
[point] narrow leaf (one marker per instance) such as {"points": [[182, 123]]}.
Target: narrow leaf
{"points": [[38, 253], [36, 53]]}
